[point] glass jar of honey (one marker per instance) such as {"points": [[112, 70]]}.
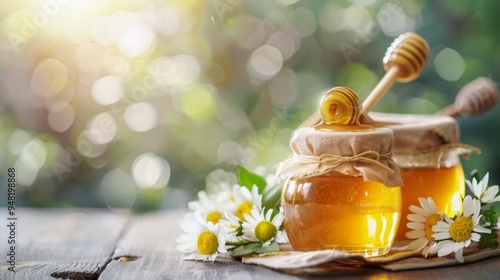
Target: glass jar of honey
{"points": [[342, 191], [427, 149]]}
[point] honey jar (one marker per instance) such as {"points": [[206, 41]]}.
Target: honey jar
{"points": [[427, 149], [341, 191]]}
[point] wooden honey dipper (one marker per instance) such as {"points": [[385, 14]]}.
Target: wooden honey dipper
{"points": [[404, 60], [475, 98]]}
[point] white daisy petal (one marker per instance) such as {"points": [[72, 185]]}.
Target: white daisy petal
{"points": [[418, 244], [458, 255], [193, 256], [437, 246], [448, 220], [281, 237], [481, 229], [469, 184], [249, 227], [466, 243], [418, 210], [418, 223], [448, 249], [475, 237], [416, 218], [415, 234], [468, 206], [445, 233], [193, 228], [442, 225], [413, 225], [428, 205], [278, 220], [441, 235], [426, 250], [481, 190]]}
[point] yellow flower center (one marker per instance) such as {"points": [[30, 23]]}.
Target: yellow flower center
{"points": [[461, 229], [244, 208], [265, 230], [429, 223], [214, 217], [207, 243]]}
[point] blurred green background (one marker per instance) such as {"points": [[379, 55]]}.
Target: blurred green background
{"points": [[130, 105]]}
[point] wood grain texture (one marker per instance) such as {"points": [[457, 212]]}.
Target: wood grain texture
{"points": [[152, 237], [84, 240], [60, 241]]}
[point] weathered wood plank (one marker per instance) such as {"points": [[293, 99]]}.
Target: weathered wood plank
{"points": [[60, 241], [82, 240], [152, 237]]}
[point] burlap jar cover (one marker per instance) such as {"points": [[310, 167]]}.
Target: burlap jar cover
{"points": [[366, 153], [423, 140]]}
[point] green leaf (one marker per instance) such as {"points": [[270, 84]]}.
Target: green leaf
{"points": [[491, 217], [273, 247], [257, 248], [271, 198], [245, 250], [488, 240], [248, 179]]}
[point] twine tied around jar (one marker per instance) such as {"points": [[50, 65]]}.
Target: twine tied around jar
{"points": [[333, 161], [432, 157], [460, 148], [366, 154]]}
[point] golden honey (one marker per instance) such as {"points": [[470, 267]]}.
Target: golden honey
{"points": [[427, 150], [341, 212], [445, 185], [343, 187]]}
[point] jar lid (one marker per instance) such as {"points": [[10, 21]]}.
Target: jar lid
{"points": [[422, 140], [354, 153]]}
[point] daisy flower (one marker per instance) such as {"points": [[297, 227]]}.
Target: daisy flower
{"points": [[453, 235], [246, 200], [259, 227], [201, 240], [421, 223], [481, 190], [212, 206], [233, 224]]}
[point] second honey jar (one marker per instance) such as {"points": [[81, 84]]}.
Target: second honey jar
{"points": [[427, 149]]}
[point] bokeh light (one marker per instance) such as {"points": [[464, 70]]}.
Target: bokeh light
{"points": [[150, 171], [118, 191], [61, 117], [49, 85], [101, 129], [133, 104], [178, 70], [136, 41], [141, 116], [31, 159], [265, 62], [107, 90], [449, 64]]}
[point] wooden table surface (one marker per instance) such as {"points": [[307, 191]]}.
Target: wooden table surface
{"points": [[99, 244]]}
